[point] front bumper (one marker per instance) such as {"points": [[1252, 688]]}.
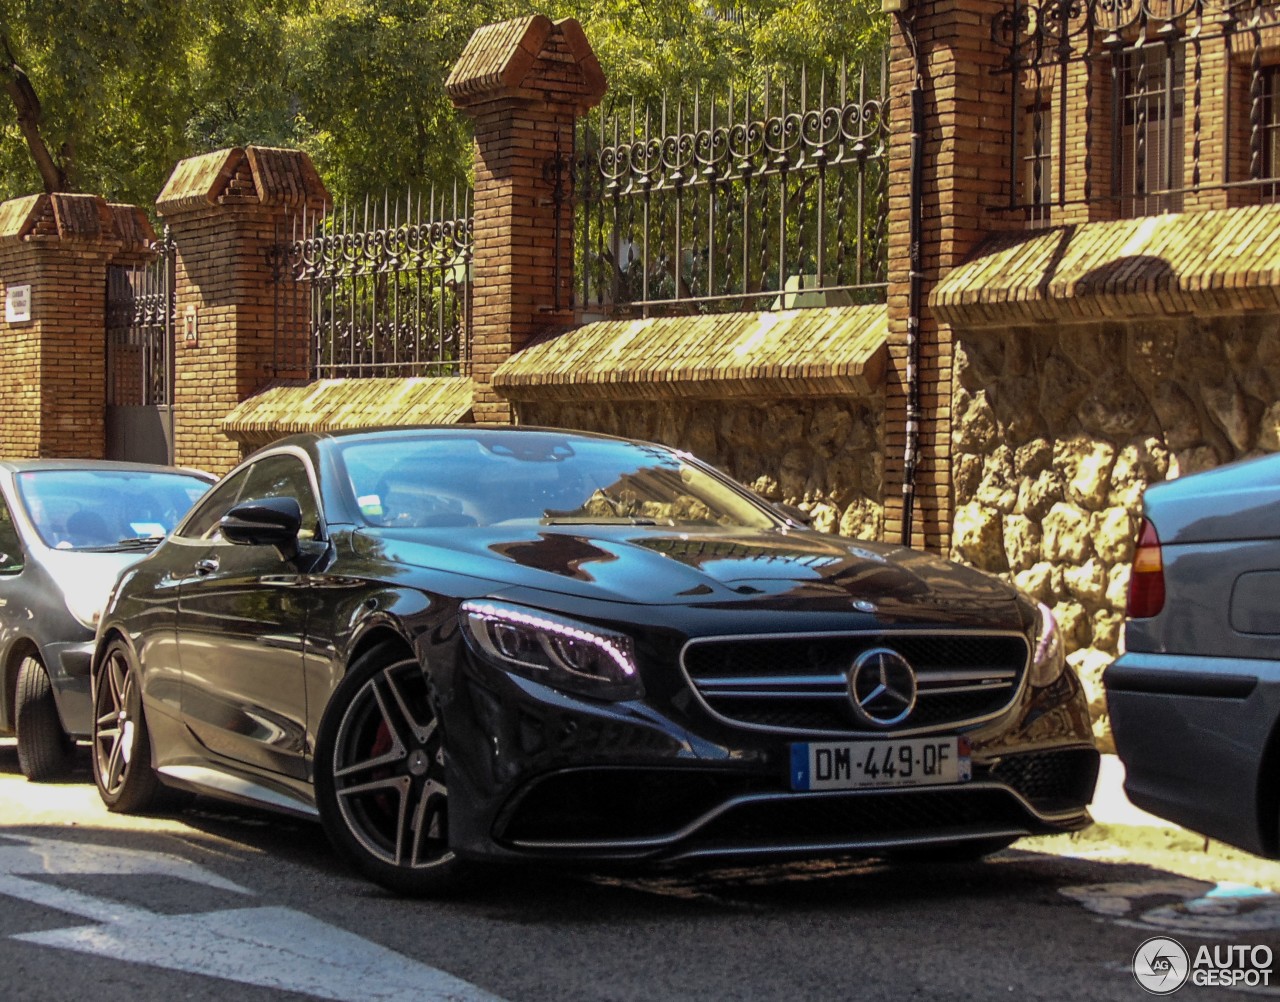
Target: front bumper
{"points": [[1194, 734], [68, 665], [553, 777]]}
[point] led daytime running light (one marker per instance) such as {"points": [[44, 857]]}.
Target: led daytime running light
{"points": [[506, 615], [1049, 642]]}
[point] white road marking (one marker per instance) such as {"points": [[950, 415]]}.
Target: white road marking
{"points": [[45, 856], [271, 947]]}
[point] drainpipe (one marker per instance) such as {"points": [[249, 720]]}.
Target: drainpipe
{"points": [[911, 453]]}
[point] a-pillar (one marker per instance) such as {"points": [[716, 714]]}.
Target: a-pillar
{"points": [[964, 136], [227, 212], [54, 253], [524, 83]]}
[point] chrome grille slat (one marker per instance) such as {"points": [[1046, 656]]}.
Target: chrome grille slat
{"points": [[774, 682], [796, 683], [774, 694]]}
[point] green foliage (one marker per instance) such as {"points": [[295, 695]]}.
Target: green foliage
{"points": [[129, 87], [674, 46]]}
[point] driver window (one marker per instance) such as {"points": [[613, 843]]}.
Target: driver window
{"points": [[11, 560], [285, 477], [202, 523]]}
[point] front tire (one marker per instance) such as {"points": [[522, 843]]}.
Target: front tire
{"points": [[122, 766], [44, 751], [380, 776]]}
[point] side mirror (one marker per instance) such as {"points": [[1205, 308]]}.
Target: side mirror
{"points": [[792, 514], [265, 522]]}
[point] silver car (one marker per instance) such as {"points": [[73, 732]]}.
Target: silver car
{"points": [[1195, 700], [67, 529]]}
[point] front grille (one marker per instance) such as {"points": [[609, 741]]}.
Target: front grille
{"points": [[815, 820], [799, 684], [1051, 781], [589, 805]]}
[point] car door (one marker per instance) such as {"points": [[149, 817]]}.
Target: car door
{"points": [[241, 623]]}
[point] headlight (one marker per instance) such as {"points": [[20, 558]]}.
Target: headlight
{"points": [[85, 600], [554, 650], [1048, 658]]}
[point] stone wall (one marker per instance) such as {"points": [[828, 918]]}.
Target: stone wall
{"points": [[825, 455], [1058, 431]]}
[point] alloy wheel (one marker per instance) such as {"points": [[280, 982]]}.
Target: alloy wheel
{"points": [[389, 770], [115, 731]]}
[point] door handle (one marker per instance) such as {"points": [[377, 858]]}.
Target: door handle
{"points": [[206, 565]]}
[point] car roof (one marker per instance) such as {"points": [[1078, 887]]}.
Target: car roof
{"points": [[455, 429], [313, 440], [104, 465]]}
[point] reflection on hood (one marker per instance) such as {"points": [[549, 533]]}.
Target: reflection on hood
{"points": [[657, 565]]}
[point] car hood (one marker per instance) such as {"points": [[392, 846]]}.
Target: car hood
{"points": [[1232, 502], [653, 565]]}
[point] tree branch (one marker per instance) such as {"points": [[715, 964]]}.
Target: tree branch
{"points": [[27, 105]]}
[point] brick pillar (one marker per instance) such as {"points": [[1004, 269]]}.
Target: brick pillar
{"points": [[524, 83], [53, 367], [226, 211], [965, 174]]}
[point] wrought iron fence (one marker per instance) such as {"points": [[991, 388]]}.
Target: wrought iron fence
{"points": [[140, 320], [1140, 102], [140, 324], [770, 199], [383, 291]]}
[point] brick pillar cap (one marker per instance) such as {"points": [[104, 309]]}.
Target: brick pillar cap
{"points": [[280, 177], [499, 60], [132, 226], [63, 216]]}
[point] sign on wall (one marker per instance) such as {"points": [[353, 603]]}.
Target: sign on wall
{"points": [[17, 304]]}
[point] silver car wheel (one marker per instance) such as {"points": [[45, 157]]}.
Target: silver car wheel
{"points": [[389, 770]]}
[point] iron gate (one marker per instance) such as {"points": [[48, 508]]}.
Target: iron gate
{"points": [[140, 330]]}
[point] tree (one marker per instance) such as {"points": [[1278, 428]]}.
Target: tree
{"points": [[106, 96]]}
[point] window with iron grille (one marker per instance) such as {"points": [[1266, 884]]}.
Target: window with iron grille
{"points": [[1270, 128], [1037, 162], [1147, 152]]}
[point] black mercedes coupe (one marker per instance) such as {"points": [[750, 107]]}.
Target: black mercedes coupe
{"points": [[473, 644]]}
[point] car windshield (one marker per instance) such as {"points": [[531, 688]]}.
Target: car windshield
{"points": [[458, 480], [105, 509]]}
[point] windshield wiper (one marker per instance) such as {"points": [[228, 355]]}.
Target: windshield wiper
{"points": [[599, 520], [133, 543]]}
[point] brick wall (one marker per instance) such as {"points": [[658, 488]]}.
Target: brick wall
{"points": [[965, 170], [226, 210], [524, 83], [53, 366]]}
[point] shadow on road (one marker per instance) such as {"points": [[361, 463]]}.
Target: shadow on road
{"points": [[81, 769], [282, 851]]}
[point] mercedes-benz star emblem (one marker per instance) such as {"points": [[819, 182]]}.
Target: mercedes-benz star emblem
{"points": [[882, 687]]}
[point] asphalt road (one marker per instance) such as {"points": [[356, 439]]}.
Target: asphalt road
{"points": [[217, 903]]}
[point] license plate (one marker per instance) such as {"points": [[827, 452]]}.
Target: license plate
{"points": [[856, 765]]}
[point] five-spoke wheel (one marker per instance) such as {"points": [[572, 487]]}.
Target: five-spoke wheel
{"points": [[380, 775], [121, 745]]}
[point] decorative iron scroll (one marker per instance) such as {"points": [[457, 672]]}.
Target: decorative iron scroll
{"points": [[1146, 83], [382, 292], [140, 323], [772, 198]]}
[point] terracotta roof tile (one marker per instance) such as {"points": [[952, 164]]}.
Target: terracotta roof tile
{"points": [[1210, 262], [343, 404], [812, 352]]}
